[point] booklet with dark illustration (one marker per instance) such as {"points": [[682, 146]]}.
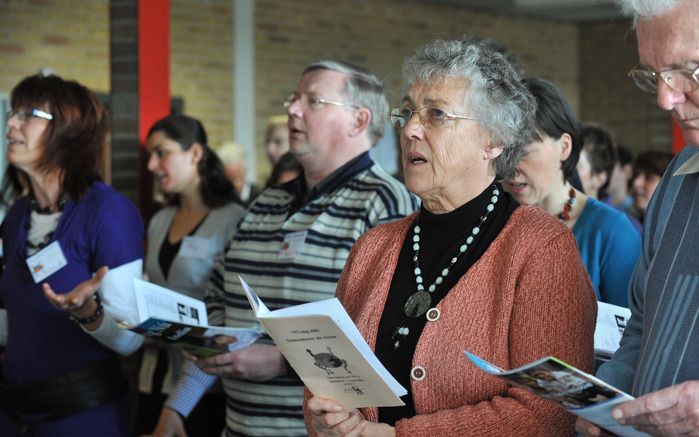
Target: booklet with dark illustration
{"points": [[580, 393], [173, 317], [327, 351]]}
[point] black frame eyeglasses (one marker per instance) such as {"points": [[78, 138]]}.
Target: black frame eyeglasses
{"points": [[313, 102], [26, 115], [684, 80], [430, 116]]}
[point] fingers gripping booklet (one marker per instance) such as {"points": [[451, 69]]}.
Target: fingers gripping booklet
{"points": [[327, 351], [578, 392], [173, 317]]}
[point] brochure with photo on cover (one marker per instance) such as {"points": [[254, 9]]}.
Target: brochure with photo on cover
{"points": [[173, 317], [327, 351], [580, 393]]}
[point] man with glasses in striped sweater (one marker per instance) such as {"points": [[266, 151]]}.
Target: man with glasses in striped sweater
{"points": [[292, 245]]}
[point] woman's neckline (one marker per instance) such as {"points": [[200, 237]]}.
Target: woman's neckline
{"points": [[459, 220]]}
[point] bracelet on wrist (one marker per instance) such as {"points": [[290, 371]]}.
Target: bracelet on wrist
{"points": [[92, 318]]}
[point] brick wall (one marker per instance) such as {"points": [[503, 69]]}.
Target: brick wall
{"points": [[70, 36], [124, 152], [201, 62], [378, 34], [607, 52]]}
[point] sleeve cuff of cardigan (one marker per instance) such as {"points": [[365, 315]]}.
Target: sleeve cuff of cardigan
{"points": [[192, 385]]}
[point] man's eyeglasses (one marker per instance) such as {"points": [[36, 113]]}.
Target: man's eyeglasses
{"points": [[26, 115], [313, 102], [683, 80], [430, 116]]}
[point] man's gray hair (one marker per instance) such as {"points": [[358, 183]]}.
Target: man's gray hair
{"points": [[500, 102], [644, 9], [363, 89]]}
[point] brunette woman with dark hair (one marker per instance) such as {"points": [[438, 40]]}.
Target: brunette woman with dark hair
{"points": [[608, 244], [61, 374], [184, 239]]}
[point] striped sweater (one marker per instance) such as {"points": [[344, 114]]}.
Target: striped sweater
{"points": [[660, 344], [332, 221]]}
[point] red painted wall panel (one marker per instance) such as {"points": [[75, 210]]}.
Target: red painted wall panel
{"points": [[153, 79], [677, 139]]}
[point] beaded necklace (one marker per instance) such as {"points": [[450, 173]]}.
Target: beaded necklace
{"points": [[51, 209], [567, 207], [420, 301]]}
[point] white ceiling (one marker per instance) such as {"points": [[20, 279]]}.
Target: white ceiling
{"points": [[559, 10]]}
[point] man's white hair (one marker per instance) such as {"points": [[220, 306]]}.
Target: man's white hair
{"points": [[644, 9]]}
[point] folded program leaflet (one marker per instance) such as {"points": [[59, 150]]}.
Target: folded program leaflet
{"points": [[327, 351]]}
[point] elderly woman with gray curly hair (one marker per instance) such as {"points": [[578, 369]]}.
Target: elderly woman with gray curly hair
{"points": [[471, 271]]}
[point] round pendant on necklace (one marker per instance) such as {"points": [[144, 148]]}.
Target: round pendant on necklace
{"points": [[417, 304]]}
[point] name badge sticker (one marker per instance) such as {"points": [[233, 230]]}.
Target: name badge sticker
{"points": [[195, 247], [292, 245], [46, 262]]}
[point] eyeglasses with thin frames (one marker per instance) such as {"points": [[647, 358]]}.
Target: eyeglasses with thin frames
{"points": [[313, 102], [430, 116], [684, 80], [26, 115]]}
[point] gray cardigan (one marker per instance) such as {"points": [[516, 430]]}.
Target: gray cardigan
{"points": [[187, 275], [190, 275]]}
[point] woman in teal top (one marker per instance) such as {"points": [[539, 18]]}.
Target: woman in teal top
{"points": [[609, 245], [608, 250]]}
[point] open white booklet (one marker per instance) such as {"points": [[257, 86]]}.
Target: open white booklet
{"points": [[327, 351], [611, 322], [173, 317], [580, 393]]}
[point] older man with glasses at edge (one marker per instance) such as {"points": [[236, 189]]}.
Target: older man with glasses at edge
{"points": [[657, 360], [292, 245]]}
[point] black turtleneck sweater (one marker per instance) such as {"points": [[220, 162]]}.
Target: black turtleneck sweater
{"points": [[441, 235]]}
